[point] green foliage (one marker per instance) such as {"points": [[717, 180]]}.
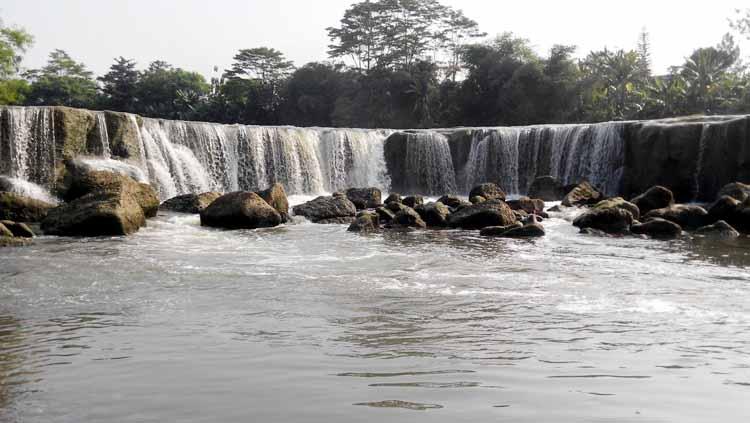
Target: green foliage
{"points": [[62, 82], [120, 85], [172, 93], [13, 44]]}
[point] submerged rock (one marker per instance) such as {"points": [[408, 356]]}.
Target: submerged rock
{"points": [[190, 203], [657, 197], [496, 231], [336, 209], [620, 203], [719, 230], [366, 222], [611, 220], [546, 188], [581, 195], [18, 230], [434, 214], [364, 198], [487, 191], [276, 197], [17, 208], [657, 228], [240, 210], [687, 216], [482, 215], [413, 201], [531, 230]]}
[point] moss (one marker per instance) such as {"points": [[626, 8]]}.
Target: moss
{"points": [[73, 129]]}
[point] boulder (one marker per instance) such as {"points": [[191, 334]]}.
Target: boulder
{"points": [[413, 201], [434, 214], [530, 206], [487, 191], [18, 208], [240, 210], [190, 203], [581, 195], [687, 216], [611, 220], [5, 232], [725, 208], [18, 230], [408, 218], [619, 202], [385, 215], [364, 198], [84, 182], [450, 200], [719, 230], [656, 197], [366, 222], [482, 215], [395, 207], [546, 188], [393, 198], [496, 231], [477, 199], [275, 196], [531, 230], [736, 190], [336, 209], [657, 228]]}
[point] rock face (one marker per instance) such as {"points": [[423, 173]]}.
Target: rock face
{"points": [[275, 196], [364, 198], [18, 230], [18, 208], [366, 222], [719, 230], [190, 203], [413, 201], [736, 190], [109, 205], [334, 209], [657, 228], [687, 216], [434, 214], [240, 210], [611, 220], [620, 203], [581, 195], [482, 215], [656, 197], [488, 192], [546, 188]]}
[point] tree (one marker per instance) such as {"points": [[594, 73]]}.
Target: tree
{"points": [[358, 36], [615, 85], [311, 94], [704, 71], [13, 44], [171, 93], [120, 85], [265, 64], [741, 23], [644, 51], [456, 30], [62, 82]]}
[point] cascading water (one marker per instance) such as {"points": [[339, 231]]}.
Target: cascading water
{"points": [[101, 126], [27, 144]]}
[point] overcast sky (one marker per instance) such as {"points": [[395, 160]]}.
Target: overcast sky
{"points": [[200, 34]]}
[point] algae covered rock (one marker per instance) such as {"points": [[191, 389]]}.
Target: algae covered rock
{"points": [[325, 210], [19, 208], [581, 195], [482, 215], [190, 203], [240, 210]]}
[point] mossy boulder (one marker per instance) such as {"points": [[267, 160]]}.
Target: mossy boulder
{"points": [[612, 220], [687, 216], [657, 228], [365, 198], [276, 197], [488, 191], [19, 208], [482, 215], [240, 210], [619, 202], [336, 209], [657, 197], [366, 222], [434, 214], [581, 195], [546, 188], [190, 203], [17, 229]]}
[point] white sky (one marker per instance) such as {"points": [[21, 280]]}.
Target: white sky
{"points": [[200, 34]]}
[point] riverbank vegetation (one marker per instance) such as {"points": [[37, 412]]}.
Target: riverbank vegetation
{"points": [[399, 64]]}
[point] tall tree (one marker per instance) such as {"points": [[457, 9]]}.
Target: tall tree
{"points": [[265, 64], [644, 51], [13, 44], [456, 31], [63, 81], [172, 93], [358, 37], [120, 85]]}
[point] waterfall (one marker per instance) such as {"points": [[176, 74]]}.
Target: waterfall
{"points": [[101, 126], [27, 144]]}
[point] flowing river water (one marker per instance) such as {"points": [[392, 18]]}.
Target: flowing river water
{"points": [[307, 322]]}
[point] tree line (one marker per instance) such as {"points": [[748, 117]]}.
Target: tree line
{"points": [[399, 64]]}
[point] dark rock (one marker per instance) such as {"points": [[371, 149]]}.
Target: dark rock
{"points": [[5, 232], [450, 200], [364, 198], [725, 208], [413, 201], [610, 220], [555, 209], [18, 208], [434, 214], [477, 199], [275, 196], [546, 188], [496, 231], [18, 230], [687, 216], [409, 218], [736, 190], [366, 222], [532, 230], [719, 230], [595, 232], [190, 203], [482, 215], [386, 216], [344, 220], [488, 192], [619, 202], [531, 206], [240, 210], [393, 198], [326, 210], [656, 197], [395, 207], [657, 228], [583, 194]]}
